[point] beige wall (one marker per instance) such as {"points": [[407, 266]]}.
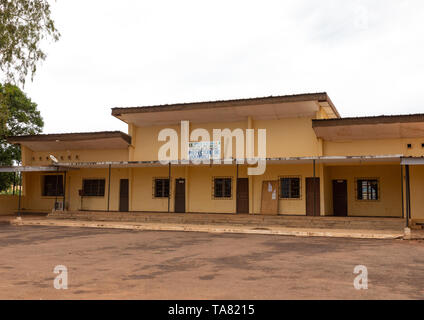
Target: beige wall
{"points": [[374, 147], [32, 189], [8, 204], [34, 200], [76, 156], [417, 192], [328, 190], [141, 188], [290, 137], [74, 184], [274, 172], [201, 188], [390, 202]]}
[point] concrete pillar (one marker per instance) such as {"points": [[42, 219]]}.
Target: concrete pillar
{"points": [[26, 176], [108, 187], [25, 160], [132, 131], [187, 189], [408, 195], [131, 183], [322, 190], [187, 171], [251, 178], [321, 175], [320, 152]]}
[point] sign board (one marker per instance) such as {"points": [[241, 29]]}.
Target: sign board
{"points": [[204, 150]]}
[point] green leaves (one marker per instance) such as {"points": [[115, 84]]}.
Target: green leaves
{"points": [[24, 24], [18, 116]]}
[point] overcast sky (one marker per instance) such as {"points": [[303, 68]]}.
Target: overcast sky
{"points": [[367, 54]]}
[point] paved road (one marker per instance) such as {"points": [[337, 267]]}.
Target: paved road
{"points": [[120, 264]]}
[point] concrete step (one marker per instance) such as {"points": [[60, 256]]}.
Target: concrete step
{"points": [[239, 220], [219, 229]]}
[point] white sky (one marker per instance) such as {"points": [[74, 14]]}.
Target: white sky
{"points": [[367, 54]]}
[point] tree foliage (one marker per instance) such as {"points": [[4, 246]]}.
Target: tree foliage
{"points": [[18, 116], [24, 24]]}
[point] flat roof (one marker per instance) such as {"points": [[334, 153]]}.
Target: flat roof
{"points": [[73, 141], [70, 136], [320, 96], [272, 107]]}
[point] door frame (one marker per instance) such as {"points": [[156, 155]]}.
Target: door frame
{"points": [[238, 196], [334, 198], [275, 206], [176, 197], [316, 185], [120, 195]]}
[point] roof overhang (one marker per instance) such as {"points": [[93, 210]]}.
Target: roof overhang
{"points": [[66, 166], [74, 141], [292, 160], [32, 169], [267, 108], [413, 161], [381, 127]]}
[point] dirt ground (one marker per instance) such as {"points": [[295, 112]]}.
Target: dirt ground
{"points": [[121, 264]]}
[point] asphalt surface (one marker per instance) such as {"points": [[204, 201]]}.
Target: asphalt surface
{"points": [[122, 264]]}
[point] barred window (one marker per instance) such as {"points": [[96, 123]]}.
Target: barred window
{"points": [[93, 187], [52, 186], [367, 189], [161, 188], [290, 188], [222, 187]]}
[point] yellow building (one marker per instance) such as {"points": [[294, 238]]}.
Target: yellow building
{"points": [[317, 163]]}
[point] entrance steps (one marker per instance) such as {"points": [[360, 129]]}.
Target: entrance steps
{"points": [[258, 221]]}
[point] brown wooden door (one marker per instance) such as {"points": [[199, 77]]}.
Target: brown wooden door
{"points": [[123, 195], [242, 195], [179, 195], [340, 198], [312, 187], [269, 204]]}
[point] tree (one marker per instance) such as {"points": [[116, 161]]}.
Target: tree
{"points": [[24, 24], [18, 116]]}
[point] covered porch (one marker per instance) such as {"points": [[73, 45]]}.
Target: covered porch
{"points": [[318, 186]]}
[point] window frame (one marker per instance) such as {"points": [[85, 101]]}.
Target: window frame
{"points": [[223, 197], [94, 195], [280, 193], [164, 196], [61, 185], [368, 179]]}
